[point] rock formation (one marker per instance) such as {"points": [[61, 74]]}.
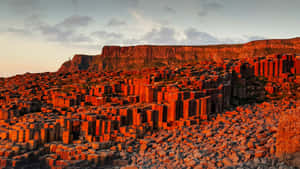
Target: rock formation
{"points": [[288, 137], [79, 62], [239, 112], [150, 117], [134, 57]]}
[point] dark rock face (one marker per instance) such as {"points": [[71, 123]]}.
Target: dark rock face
{"points": [[135, 57], [79, 62]]}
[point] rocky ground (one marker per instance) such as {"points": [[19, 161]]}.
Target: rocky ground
{"points": [[241, 138]]}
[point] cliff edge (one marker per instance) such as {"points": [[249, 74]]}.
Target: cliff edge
{"points": [[135, 57]]}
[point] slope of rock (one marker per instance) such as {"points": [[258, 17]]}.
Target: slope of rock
{"points": [[241, 138]]}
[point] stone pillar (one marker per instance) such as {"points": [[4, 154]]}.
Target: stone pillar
{"points": [[198, 107], [262, 67], [44, 135], [280, 67], [135, 117], [174, 110], [266, 68], [149, 94], [276, 68], [67, 137], [203, 114], [186, 109], [297, 65], [271, 69], [256, 68], [98, 127]]}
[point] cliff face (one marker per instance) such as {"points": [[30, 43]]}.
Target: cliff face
{"points": [[134, 57], [79, 62]]}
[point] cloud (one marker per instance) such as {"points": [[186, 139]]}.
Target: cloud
{"points": [[163, 35], [115, 22], [18, 31], [108, 38], [62, 32], [70, 30], [56, 34], [157, 36], [107, 35], [212, 5], [52, 32], [252, 38], [209, 6], [24, 6], [143, 24], [243, 39], [169, 10], [195, 37], [75, 3], [130, 3], [170, 36], [81, 38], [76, 21]]}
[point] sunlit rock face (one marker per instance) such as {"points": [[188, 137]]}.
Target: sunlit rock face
{"points": [[136, 57]]}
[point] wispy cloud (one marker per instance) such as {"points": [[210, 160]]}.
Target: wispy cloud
{"points": [[18, 31], [107, 35], [130, 3], [142, 24], [114, 22], [25, 6], [207, 6], [169, 9], [195, 37], [62, 32], [75, 21], [163, 35]]}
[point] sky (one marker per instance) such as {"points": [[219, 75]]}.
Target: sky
{"points": [[39, 35]]}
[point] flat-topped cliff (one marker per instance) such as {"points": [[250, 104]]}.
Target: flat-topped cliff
{"points": [[135, 57]]}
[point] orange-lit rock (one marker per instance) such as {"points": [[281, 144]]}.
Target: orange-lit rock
{"points": [[209, 114], [116, 57]]}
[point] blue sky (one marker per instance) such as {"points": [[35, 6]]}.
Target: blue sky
{"points": [[39, 35]]}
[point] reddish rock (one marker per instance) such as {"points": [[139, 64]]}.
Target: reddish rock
{"points": [[116, 57], [288, 138]]}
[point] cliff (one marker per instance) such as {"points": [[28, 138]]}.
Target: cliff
{"points": [[134, 57], [79, 62]]}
